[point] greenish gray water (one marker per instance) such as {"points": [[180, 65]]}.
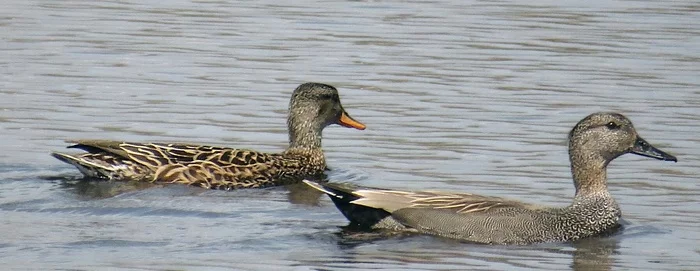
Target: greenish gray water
{"points": [[463, 96]]}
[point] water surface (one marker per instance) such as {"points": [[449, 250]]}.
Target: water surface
{"points": [[471, 96]]}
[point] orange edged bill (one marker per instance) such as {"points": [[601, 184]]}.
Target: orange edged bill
{"points": [[347, 121]]}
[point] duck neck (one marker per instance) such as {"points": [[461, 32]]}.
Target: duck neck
{"points": [[590, 176], [303, 134]]}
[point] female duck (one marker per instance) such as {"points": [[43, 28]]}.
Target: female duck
{"points": [[313, 106], [593, 143]]}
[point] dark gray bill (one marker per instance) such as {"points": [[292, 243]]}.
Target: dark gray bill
{"points": [[643, 148]]}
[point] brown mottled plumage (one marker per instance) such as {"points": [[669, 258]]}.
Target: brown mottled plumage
{"points": [[593, 143], [313, 106]]}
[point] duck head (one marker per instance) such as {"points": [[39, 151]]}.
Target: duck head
{"points": [[313, 107], [597, 140], [605, 136]]}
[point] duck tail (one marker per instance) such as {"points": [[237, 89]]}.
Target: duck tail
{"points": [[340, 192], [89, 168], [343, 196]]}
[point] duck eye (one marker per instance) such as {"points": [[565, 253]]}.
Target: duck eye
{"points": [[612, 125]]}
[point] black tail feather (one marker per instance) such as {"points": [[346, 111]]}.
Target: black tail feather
{"points": [[342, 195]]}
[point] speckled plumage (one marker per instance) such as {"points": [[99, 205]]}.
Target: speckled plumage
{"points": [[593, 143], [313, 106]]}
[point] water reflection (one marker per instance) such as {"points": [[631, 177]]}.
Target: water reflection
{"points": [[303, 194], [595, 253], [91, 189]]}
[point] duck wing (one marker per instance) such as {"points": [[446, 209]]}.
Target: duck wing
{"points": [[206, 166]]}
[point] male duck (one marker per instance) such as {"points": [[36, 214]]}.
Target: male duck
{"points": [[593, 143], [313, 106]]}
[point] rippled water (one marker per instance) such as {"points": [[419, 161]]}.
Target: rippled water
{"points": [[457, 95]]}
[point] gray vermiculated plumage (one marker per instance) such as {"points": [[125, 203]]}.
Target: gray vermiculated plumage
{"points": [[313, 106], [593, 143]]}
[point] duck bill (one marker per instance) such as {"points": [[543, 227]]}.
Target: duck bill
{"points": [[643, 148], [347, 121]]}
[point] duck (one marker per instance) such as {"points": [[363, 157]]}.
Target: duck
{"points": [[313, 106], [594, 142]]}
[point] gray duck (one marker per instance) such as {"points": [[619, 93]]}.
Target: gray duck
{"points": [[593, 143]]}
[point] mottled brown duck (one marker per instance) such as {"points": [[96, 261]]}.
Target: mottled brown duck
{"points": [[313, 106], [593, 143]]}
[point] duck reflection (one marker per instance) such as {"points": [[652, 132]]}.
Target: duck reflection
{"points": [[302, 194], [86, 188], [91, 188], [595, 253]]}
